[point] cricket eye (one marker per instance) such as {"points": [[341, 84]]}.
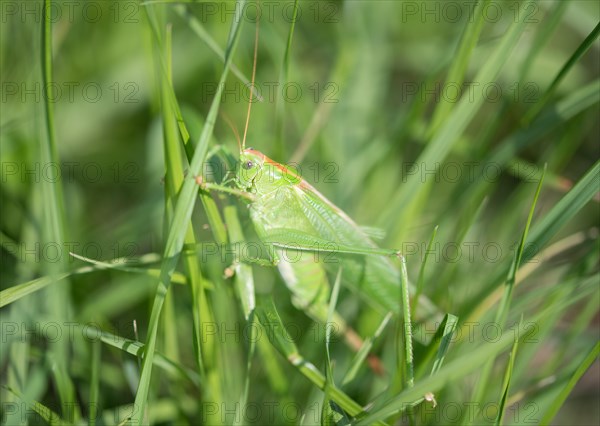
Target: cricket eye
{"points": [[248, 165]]}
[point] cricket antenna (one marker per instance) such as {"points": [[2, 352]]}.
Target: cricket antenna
{"points": [[232, 127], [252, 86]]}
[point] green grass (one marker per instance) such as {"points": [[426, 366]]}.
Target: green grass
{"points": [[490, 196]]}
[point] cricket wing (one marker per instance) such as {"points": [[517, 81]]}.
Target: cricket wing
{"points": [[374, 277]]}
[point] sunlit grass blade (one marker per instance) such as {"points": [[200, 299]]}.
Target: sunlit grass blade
{"points": [[333, 415], [548, 121], [335, 291], [405, 372], [201, 313], [443, 139], [327, 413], [244, 279], [578, 327], [201, 32], [52, 191], [19, 291], [182, 214], [47, 414], [278, 336], [507, 378], [94, 400], [421, 279], [406, 324], [542, 36], [458, 66], [280, 339], [472, 360], [585, 45], [283, 79], [53, 229], [254, 336], [546, 331], [441, 340], [463, 224], [136, 349], [562, 212], [173, 180], [503, 308], [16, 292], [554, 220], [562, 396], [120, 264], [364, 350], [18, 375], [168, 99], [453, 370]]}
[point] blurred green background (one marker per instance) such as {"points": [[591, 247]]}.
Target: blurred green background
{"points": [[367, 90]]}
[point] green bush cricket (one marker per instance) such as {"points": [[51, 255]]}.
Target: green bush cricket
{"points": [[289, 214]]}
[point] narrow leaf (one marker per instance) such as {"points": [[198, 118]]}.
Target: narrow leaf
{"points": [[562, 396]]}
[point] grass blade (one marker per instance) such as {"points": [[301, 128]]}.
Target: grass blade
{"points": [[406, 326], [51, 192], [444, 336], [585, 45], [283, 79], [562, 396], [135, 348], [458, 67], [244, 279], [442, 141], [502, 312], [201, 32], [421, 279], [16, 292], [542, 36], [280, 339], [468, 363], [507, 376], [548, 226], [547, 122], [364, 350], [327, 413], [181, 218], [562, 212], [54, 217], [48, 415], [94, 405], [503, 309]]}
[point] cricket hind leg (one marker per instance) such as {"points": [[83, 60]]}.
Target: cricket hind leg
{"points": [[307, 280]]}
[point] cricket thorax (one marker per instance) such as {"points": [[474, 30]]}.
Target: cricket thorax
{"points": [[259, 174]]}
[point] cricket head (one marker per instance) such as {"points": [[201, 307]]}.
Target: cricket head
{"points": [[251, 163]]}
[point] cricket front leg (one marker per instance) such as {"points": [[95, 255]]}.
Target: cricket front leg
{"points": [[210, 186]]}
